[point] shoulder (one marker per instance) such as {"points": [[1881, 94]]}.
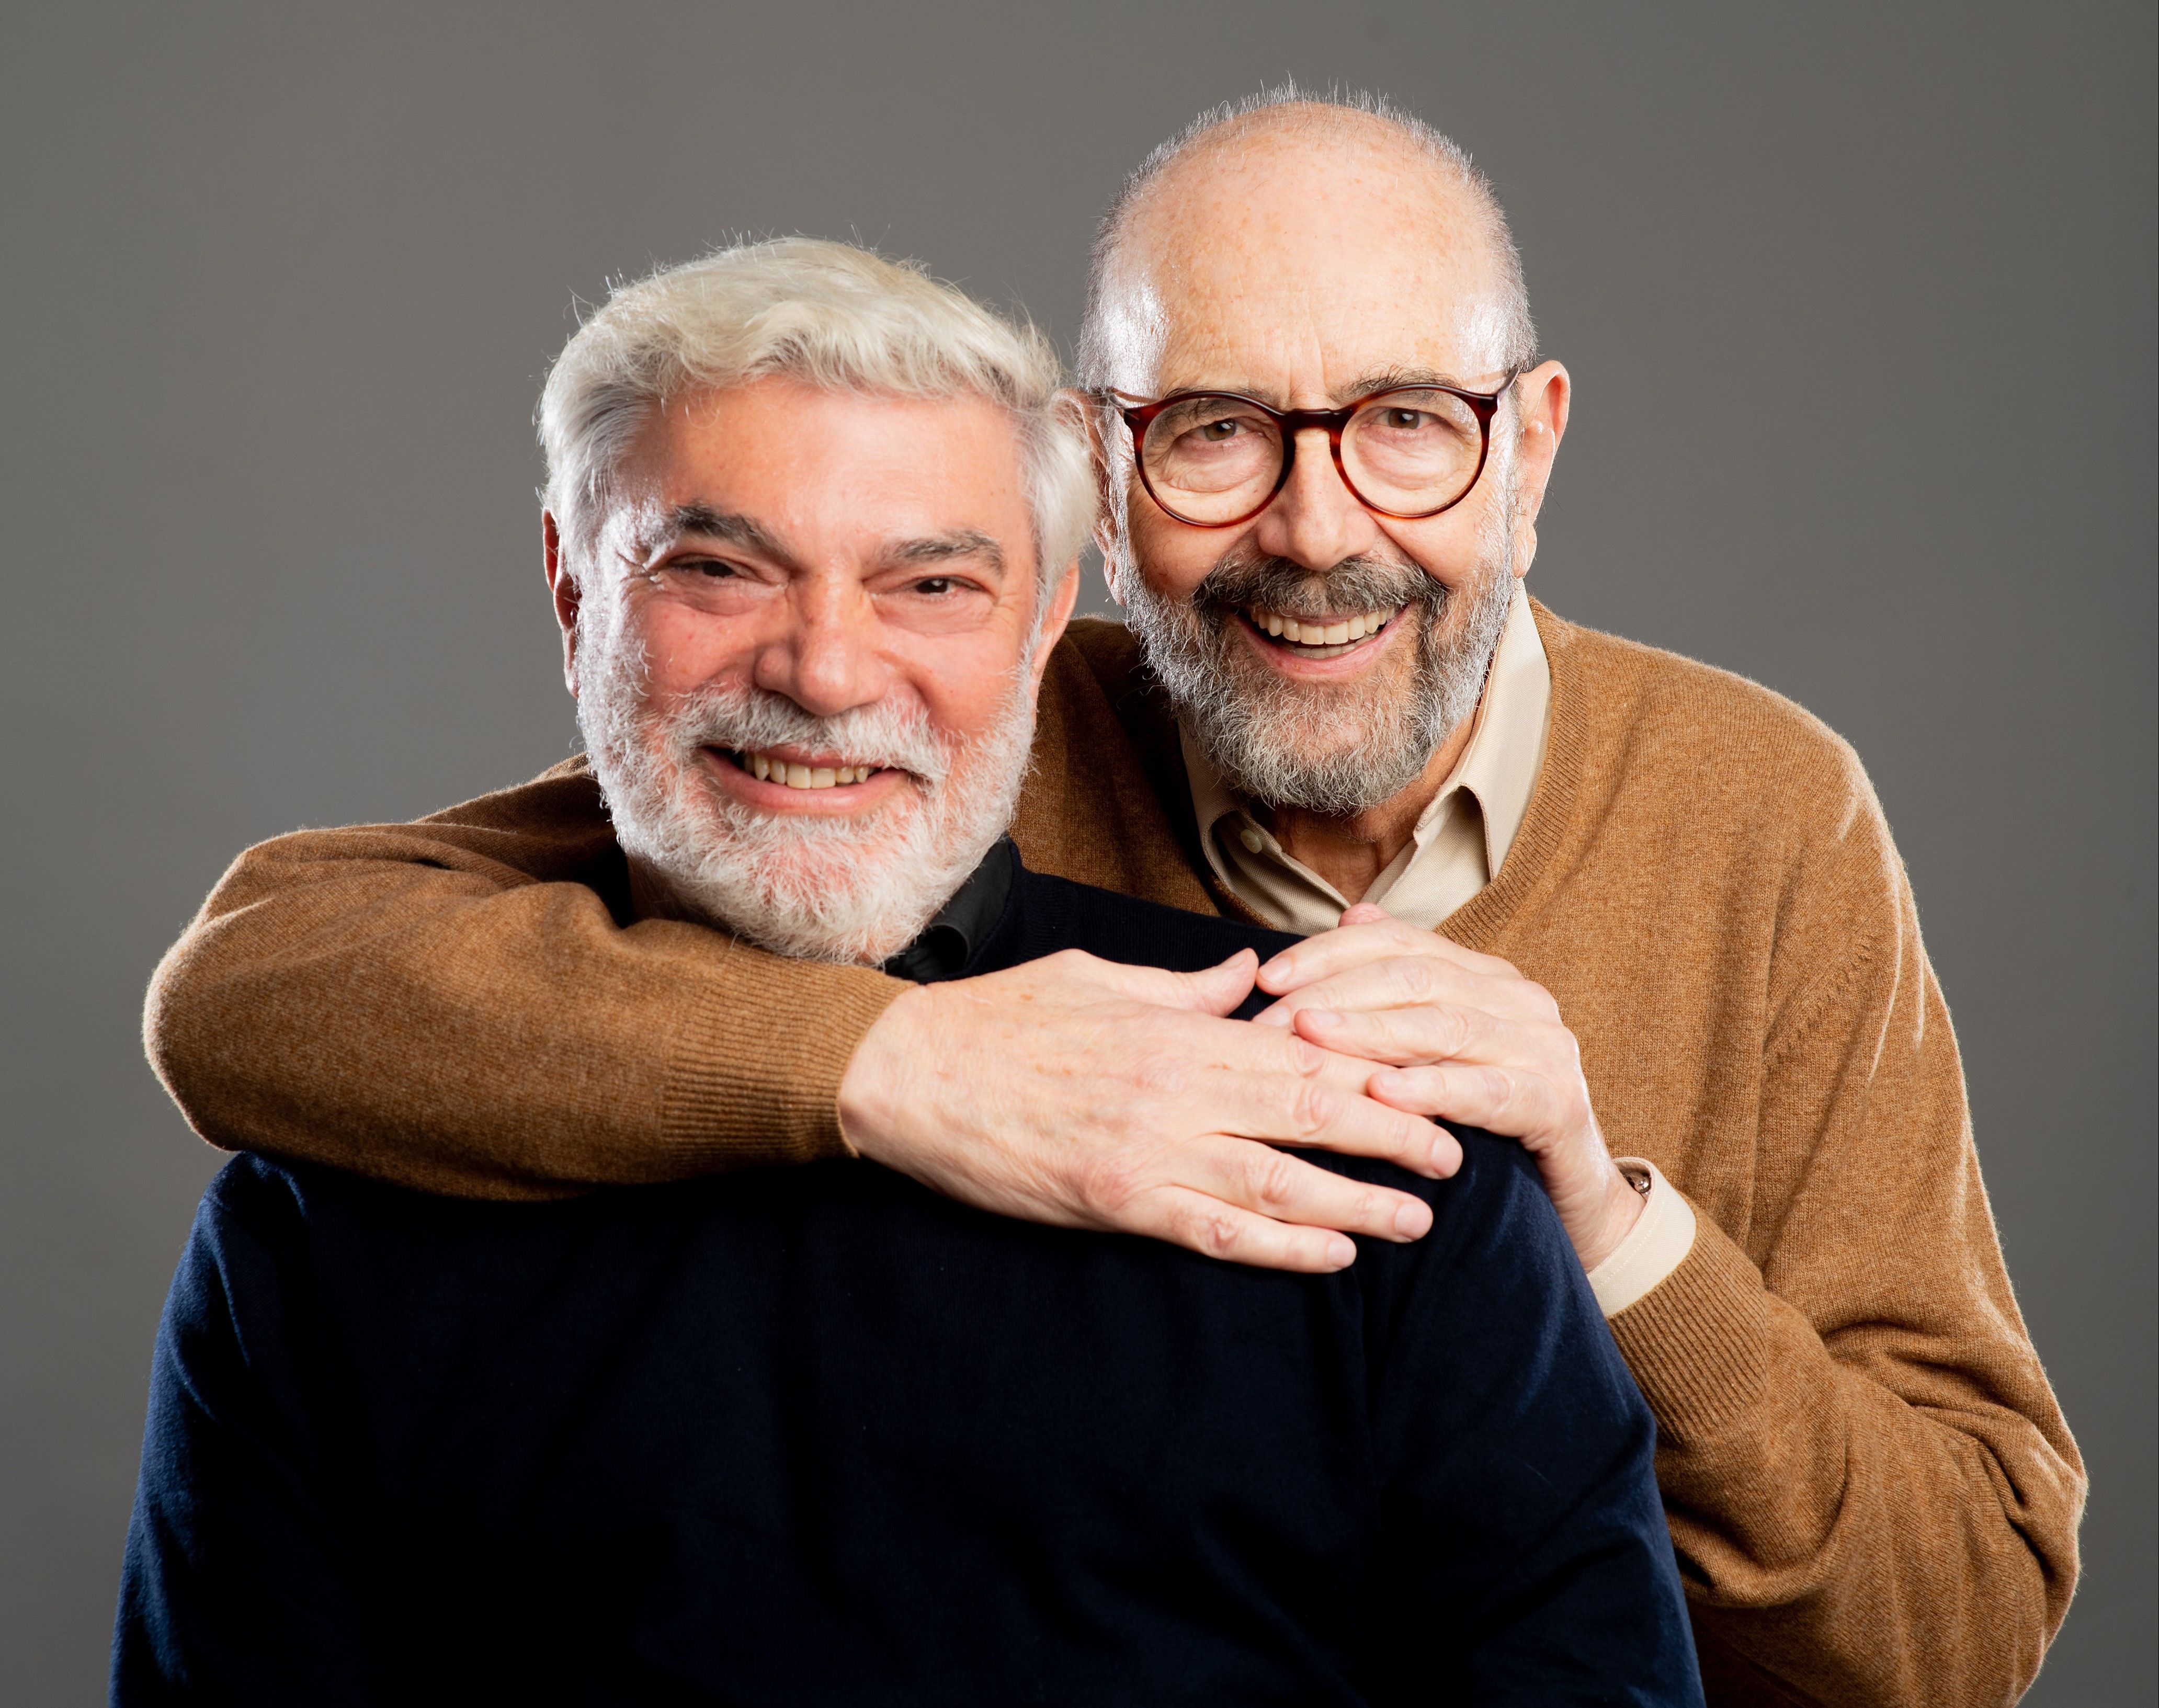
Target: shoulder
{"points": [[1062, 915], [1644, 696], [1108, 652], [1686, 752], [1494, 1209]]}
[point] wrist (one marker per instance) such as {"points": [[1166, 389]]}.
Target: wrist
{"points": [[1620, 1210], [873, 1089]]}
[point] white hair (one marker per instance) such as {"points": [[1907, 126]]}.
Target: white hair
{"points": [[828, 314], [1102, 348]]}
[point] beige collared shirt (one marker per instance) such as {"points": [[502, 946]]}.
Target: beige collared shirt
{"points": [[1459, 844]]}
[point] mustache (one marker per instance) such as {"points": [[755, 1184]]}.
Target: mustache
{"points": [[1354, 585], [891, 734]]}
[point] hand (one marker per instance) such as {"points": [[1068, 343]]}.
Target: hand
{"points": [[1471, 1041], [1082, 1092]]}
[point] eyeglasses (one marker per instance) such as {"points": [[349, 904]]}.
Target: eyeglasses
{"points": [[1216, 458]]}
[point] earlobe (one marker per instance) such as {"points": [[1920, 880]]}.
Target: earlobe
{"points": [[1057, 619], [562, 588]]}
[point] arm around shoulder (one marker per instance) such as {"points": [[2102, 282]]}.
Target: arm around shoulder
{"points": [[455, 1005]]}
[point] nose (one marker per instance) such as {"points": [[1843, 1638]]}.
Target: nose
{"points": [[1315, 520], [826, 656]]}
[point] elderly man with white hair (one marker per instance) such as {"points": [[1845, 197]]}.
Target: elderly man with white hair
{"points": [[1638, 915], [820, 1435]]}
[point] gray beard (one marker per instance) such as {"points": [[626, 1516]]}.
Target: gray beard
{"points": [[1336, 751], [854, 889]]}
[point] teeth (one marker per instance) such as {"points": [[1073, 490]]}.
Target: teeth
{"points": [[766, 769], [1333, 633]]}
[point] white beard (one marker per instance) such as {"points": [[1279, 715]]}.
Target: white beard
{"points": [[856, 889]]}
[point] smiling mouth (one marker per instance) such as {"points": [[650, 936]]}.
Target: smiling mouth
{"points": [[1320, 637], [794, 773]]}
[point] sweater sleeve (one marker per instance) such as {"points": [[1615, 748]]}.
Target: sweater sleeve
{"points": [[1871, 1489], [452, 1004]]}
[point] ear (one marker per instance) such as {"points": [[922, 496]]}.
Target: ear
{"points": [[562, 587], [1546, 395], [1100, 454], [1054, 624]]}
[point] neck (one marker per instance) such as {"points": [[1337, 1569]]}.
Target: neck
{"points": [[1350, 852]]}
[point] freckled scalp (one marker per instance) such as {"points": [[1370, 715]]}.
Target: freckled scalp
{"points": [[1123, 328]]}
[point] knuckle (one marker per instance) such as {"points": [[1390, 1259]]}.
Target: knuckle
{"points": [[1271, 1180], [1109, 1182], [1159, 1075], [1314, 1108], [1418, 978], [1306, 1058], [1212, 1232]]}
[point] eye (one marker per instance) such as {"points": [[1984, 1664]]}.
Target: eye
{"points": [[935, 585], [1406, 421], [1214, 432], [711, 568]]}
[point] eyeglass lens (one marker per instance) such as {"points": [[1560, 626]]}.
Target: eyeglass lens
{"points": [[1213, 458]]}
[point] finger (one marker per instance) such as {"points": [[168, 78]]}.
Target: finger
{"points": [[1415, 980], [1214, 1229], [1348, 945], [1364, 914], [1513, 1104], [1317, 1109], [1433, 1034], [1274, 1183], [1215, 990]]}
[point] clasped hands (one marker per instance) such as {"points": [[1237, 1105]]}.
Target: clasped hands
{"points": [[1083, 1092]]}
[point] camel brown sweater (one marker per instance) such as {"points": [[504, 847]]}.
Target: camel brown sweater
{"points": [[1872, 1493]]}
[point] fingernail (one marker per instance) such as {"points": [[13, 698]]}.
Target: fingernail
{"points": [[1322, 1017], [1341, 1251], [1272, 1017], [1411, 1221]]}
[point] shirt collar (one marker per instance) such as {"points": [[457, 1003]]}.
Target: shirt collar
{"points": [[963, 924]]}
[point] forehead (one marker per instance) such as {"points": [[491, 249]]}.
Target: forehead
{"points": [[1300, 264], [831, 465]]}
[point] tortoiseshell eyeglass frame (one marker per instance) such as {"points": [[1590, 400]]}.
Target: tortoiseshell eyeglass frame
{"points": [[1139, 415]]}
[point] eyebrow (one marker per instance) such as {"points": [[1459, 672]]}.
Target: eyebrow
{"points": [[738, 529], [724, 525], [961, 542]]}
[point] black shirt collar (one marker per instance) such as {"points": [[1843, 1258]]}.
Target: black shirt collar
{"points": [[963, 924]]}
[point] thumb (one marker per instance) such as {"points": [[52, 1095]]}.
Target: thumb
{"points": [[1214, 990], [1364, 913]]}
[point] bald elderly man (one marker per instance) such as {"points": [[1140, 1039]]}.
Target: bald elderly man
{"points": [[1640, 916]]}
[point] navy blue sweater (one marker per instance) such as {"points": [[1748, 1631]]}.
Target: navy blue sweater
{"points": [[817, 1434]]}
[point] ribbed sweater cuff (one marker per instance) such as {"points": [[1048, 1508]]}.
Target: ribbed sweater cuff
{"points": [[1698, 1343], [750, 1084]]}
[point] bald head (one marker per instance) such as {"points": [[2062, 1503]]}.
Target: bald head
{"points": [[1289, 217]]}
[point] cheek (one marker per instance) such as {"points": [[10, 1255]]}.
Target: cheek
{"points": [[1449, 548], [686, 650], [1174, 558], [965, 689]]}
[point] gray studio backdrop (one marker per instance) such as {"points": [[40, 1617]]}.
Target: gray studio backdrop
{"points": [[1859, 305]]}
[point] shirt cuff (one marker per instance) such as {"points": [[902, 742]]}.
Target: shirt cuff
{"points": [[1657, 1245]]}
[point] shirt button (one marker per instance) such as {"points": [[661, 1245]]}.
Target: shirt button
{"points": [[1251, 839]]}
